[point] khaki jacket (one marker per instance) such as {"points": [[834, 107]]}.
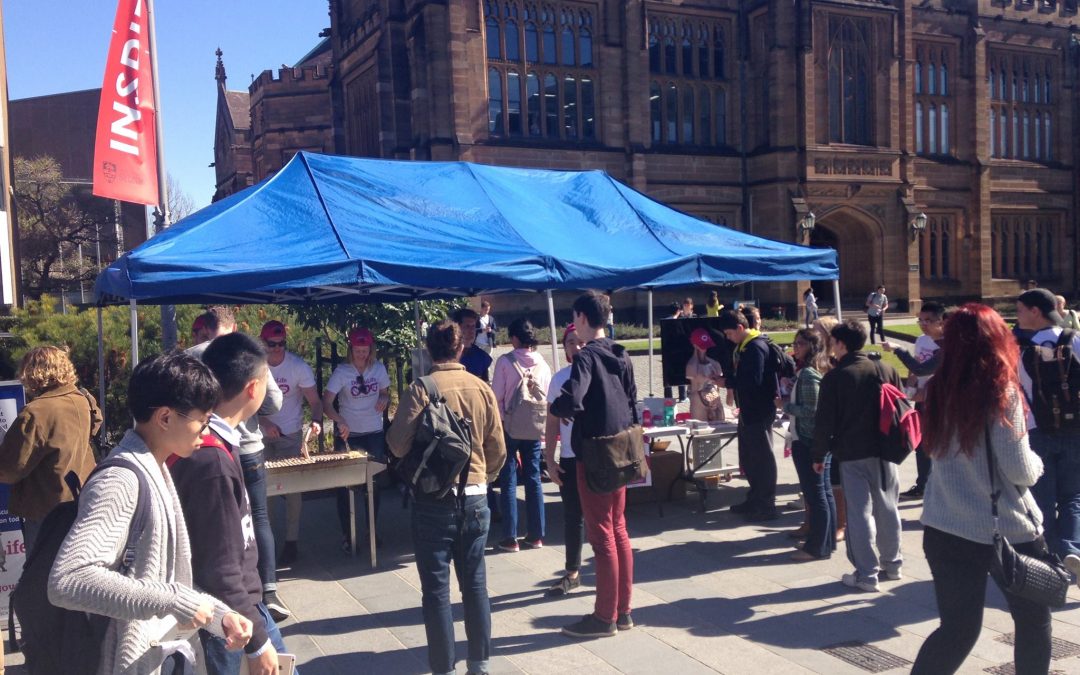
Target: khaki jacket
{"points": [[49, 438], [468, 396]]}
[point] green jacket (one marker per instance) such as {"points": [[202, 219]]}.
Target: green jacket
{"points": [[804, 408]]}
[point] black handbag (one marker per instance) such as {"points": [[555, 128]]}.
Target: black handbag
{"points": [[1042, 579]]}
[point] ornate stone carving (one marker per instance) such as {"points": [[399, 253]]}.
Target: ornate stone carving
{"points": [[852, 166]]}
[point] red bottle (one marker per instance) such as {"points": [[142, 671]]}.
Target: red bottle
{"points": [[646, 418]]}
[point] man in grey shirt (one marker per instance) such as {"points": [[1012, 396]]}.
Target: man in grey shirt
{"points": [[218, 321]]}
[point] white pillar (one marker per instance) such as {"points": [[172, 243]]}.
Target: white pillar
{"points": [[836, 298], [134, 334], [650, 301], [554, 333]]}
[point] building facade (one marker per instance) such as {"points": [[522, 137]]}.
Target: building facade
{"points": [[933, 141]]}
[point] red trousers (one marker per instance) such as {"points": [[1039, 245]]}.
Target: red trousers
{"points": [[605, 525]]}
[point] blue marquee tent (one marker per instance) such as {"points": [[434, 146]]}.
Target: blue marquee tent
{"points": [[344, 229]]}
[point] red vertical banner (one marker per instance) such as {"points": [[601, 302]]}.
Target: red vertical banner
{"points": [[125, 150]]}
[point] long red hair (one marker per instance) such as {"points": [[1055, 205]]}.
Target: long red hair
{"points": [[977, 375]]}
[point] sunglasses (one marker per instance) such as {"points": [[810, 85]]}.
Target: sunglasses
{"points": [[274, 344], [202, 429]]}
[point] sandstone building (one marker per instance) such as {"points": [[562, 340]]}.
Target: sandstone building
{"points": [[934, 141]]}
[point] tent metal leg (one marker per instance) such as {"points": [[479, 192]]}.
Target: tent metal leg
{"points": [[101, 369], [416, 323], [134, 334], [836, 298], [554, 333], [650, 303]]}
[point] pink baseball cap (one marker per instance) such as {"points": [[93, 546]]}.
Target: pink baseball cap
{"points": [[701, 338], [198, 324], [569, 329], [361, 337], [272, 330]]}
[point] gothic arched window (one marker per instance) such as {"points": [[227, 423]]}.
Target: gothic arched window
{"points": [[849, 82]]}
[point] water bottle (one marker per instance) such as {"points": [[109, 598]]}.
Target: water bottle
{"points": [[646, 418], [669, 412]]}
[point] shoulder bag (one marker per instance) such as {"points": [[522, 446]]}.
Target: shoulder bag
{"points": [[1041, 579]]}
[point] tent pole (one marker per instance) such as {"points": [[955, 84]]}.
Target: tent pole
{"points": [[554, 335], [101, 370], [836, 298], [650, 303], [134, 334], [416, 322]]}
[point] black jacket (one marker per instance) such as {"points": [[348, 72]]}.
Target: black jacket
{"points": [[755, 383], [849, 409], [600, 395], [224, 557]]}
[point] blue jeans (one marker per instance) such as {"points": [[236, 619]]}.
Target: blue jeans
{"points": [[443, 533], [1057, 492], [221, 661], [254, 468], [820, 506], [534, 491]]}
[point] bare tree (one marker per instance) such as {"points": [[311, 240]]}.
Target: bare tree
{"points": [[56, 219], [181, 205]]}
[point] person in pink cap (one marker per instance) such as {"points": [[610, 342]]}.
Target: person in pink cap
{"points": [[706, 379], [361, 387]]}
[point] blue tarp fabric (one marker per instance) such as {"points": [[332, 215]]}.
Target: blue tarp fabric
{"points": [[344, 229]]}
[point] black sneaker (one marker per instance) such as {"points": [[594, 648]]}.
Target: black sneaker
{"points": [[745, 507], [564, 585], [589, 627], [915, 492], [624, 622], [276, 607], [761, 516], [289, 554]]}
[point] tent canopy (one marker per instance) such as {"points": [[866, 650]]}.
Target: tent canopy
{"points": [[344, 229]]}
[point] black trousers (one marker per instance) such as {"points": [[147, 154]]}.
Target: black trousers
{"points": [[960, 568], [573, 521], [758, 462], [878, 321]]}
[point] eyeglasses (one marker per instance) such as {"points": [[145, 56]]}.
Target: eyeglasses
{"points": [[274, 344], [204, 426]]}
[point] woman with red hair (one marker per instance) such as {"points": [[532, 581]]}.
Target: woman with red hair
{"points": [[975, 409]]}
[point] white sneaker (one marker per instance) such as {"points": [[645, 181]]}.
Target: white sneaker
{"points": [[895, 575], [1072, 563], [852, 581]]}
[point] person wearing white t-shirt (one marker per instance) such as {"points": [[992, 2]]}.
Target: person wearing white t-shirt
{"points": [[283, 432], [564, 472], [486, 328], [361, 388]]}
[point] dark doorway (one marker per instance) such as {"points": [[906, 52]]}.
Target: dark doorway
{"points": [[821, 237]]}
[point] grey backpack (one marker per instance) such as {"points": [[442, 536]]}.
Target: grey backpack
{"points": [[441, 449], [526, 417]]}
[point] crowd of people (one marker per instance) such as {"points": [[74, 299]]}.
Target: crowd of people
{"points": [[202, 590]]}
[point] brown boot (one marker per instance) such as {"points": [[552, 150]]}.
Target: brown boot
{"points": [[841, 513]]}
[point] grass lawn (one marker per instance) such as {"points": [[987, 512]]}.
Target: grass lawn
{"points": [[910, 329]]}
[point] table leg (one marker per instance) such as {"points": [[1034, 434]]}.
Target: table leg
{"points": [[352, 518], [371, 513]]}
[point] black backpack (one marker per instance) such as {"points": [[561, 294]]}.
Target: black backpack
{"points": [[1055, 384], [779, 363], [441, 449], [56, 640]]}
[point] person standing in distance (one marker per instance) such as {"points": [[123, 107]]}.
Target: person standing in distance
{"points": [[876, 304]]}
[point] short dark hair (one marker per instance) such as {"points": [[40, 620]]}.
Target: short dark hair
{"points": [[485, 303], [218, 316], [460, 314], [851, 333], [933, 307], [523, 330], [176, 381], [235, 359], [731, 320], [444, 340], [594, 306]]}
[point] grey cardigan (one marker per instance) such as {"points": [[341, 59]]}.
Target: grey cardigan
{"points": [[957, 499], [85, 577]]}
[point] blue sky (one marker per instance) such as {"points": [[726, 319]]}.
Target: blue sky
{"points": [[54, 47]]}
